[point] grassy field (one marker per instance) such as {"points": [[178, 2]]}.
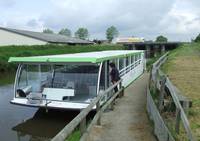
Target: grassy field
{"points": [[183, 69], [7, 70]]}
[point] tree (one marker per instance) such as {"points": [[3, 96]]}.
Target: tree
{"points": [[111, 33], [82, 33], [47, 30], [65, 32], [197, 39], [161, 39]]}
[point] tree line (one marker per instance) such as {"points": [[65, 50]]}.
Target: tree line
{"points": [[111, 33], [82, 33]]}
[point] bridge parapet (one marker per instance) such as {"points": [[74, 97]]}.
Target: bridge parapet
{"points": [[152, 48]]}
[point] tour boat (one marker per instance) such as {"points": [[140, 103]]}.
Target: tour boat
{"points": [[71, 81]]}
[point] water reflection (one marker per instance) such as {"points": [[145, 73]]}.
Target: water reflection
{"points": [[43, 126], [19, 123]]}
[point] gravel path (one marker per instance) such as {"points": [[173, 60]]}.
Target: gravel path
{"points": [[128, 121]]}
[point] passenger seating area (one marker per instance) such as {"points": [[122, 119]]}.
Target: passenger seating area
{"points": [[84, 85]]}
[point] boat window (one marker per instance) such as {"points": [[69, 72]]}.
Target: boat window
{"points": [[81, 78], [127, 61], [127, 64], [132, 59], [121, 63], [115, 61], [23, 77], [33, 76], [136, 59]]}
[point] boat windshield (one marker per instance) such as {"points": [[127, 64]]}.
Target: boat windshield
{"points": [[59, 82]]}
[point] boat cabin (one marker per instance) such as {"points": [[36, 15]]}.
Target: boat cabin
{"points": [[71, 81]]}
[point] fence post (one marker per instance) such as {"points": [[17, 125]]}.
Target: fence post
{"points": [[122, 92], [178, 119], [150, 77], [156, 78], [120, 85], [97, 110], [83, 126], [186, 106], [162, 91]]}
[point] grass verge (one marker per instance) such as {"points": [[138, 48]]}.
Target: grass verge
{"points": [[183, 69], [51, 49], [75, 136]]}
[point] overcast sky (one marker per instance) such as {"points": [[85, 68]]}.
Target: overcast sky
{"points": [[179, 20]]}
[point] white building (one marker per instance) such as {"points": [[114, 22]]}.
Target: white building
{"points": [[10, 36]]}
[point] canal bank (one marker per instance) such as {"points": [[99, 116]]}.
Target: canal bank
{"points": [[7, 78]]}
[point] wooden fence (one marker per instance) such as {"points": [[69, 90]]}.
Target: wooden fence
{"points": [[80, 119], [160, 129], [160, 81]]}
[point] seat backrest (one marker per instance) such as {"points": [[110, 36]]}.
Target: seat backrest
{"points": [[57, 93]]}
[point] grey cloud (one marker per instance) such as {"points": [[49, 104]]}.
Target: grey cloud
{"points": [[177, 19], [131, 15]]}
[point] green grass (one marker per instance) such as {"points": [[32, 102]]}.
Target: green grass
{"points": [[189, 49], [15, 51], [75, 136], [7, 78], [37, 50], [150, 61], [183, 67]]}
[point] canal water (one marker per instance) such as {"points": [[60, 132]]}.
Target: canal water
{"points": [[19, 123]]}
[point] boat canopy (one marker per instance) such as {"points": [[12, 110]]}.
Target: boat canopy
{"points": [[90, 57]]}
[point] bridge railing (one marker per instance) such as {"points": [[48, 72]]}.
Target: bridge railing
{"points": [[80, 119], [159, 81]]}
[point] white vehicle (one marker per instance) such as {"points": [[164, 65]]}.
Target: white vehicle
{"points": [[71, 81]]}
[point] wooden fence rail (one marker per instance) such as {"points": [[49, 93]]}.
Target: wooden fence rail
{"points": [[159, 80], [80, 119], [160, 129]]}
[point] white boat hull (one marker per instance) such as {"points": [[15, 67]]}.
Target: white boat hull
{"points": [[51, 104]]}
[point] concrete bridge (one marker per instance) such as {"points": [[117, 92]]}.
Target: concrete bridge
{"points": [[152, 48]]}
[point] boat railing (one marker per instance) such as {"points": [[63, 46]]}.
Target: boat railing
{"points": [[129, 67], [80, 119]]}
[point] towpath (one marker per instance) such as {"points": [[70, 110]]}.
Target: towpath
{"points": [[128, 121]]}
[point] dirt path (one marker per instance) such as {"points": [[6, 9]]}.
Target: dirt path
{"points": [[128, 121]]}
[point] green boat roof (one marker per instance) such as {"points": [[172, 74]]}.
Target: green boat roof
{"points": [[89, 57]]}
